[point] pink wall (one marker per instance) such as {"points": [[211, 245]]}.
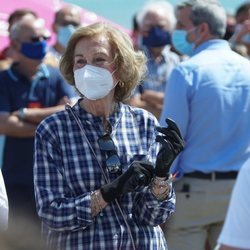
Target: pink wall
{"points": [[45, 9]]}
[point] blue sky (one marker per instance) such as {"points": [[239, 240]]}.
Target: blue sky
{"points": [[122, 11]]}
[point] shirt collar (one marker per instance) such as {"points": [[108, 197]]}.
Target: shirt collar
{"points": [[96, 121], [16, 75], [212, 44]]}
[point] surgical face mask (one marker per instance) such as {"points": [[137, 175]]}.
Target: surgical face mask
{"points": [[64, 34], [157, 37], [246, 37], [93, 82], [180, 42], [34, 50]]}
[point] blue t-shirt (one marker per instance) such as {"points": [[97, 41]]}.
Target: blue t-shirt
{"points": [[16, 91]]}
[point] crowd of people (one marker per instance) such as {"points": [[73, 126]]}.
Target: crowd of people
{"points": [[127, 142]]}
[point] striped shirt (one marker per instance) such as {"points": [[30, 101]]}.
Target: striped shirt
{"points": [[66, 171]]}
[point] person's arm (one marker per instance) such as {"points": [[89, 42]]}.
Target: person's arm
{"points": [[57, 207], [153, 98], [176, 105], [11, 125], [149, 100], [4, 207], [36, 115]]}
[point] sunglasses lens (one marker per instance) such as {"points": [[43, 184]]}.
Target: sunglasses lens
{"points": [[113, 164], [106, 143], [38, 39]]}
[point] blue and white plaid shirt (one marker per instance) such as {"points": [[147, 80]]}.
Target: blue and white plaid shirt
{"points": [[66, 171]]}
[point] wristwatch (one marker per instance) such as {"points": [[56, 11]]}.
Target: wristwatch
{"points": [[21, 113]]}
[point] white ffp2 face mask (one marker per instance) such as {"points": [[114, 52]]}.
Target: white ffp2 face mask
{"points": [[93, 82]]}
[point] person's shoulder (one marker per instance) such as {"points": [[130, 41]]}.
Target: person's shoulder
{"points": [[140, 114], [4, 71], [6, 76], [54, 73], [53, 69], [52, 122]]}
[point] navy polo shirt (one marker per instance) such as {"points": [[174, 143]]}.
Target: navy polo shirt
{"points": [[16, 91]]}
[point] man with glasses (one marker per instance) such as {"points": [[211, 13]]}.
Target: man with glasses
{"points": [[29, 91]]}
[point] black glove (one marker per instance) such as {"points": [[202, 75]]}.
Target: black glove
{"points": [[138, 174], [172, 144]]}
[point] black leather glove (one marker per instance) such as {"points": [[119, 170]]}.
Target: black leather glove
{"points": [[138, 174], [172, 144]]}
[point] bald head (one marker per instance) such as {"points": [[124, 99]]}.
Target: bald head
{"points": [[68, 15]]}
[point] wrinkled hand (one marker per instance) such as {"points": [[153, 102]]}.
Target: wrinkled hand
{"points": [[138, 174], [172, 144]]}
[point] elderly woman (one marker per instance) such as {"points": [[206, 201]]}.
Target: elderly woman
{"points": [[101, 179]]}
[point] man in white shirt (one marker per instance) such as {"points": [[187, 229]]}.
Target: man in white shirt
{"points": [[235, 232], [4, 207]]}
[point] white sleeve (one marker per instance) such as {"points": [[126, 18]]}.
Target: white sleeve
{"points": [[4, 207], [235, 232]]}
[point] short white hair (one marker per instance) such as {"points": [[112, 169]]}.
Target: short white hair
{"points": [[156, 6], [17, 27]]}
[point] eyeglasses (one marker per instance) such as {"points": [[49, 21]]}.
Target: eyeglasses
{"points": [[113, 163], [73, 23], [36, 39]]}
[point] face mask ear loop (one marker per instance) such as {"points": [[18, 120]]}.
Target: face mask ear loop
{"points": [[113, 78]]}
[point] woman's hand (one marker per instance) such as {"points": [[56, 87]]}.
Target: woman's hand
{"points": [[138, 174], [172, 144]]}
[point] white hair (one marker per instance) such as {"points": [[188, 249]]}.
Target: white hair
{"points": [[156, 6], [27, 21]]}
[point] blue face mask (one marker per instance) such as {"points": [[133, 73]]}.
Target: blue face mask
{"points": [[35, 51], [180, 42], [64, 34], [157, 37]]}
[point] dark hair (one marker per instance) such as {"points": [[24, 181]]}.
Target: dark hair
{"points": [[18, 13], [242, 8]]}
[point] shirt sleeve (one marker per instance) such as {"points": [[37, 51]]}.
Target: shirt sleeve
{"points": [[4, 207], [151, 211], [4, 95], [176, 103], [57, 206], [235, 232]]}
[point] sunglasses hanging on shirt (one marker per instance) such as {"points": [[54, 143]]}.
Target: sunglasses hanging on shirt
{"points": [[113, 164]]}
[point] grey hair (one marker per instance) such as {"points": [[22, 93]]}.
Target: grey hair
{"points": [[152, 6], [207, 11], [15, 31], [26, 22]]}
